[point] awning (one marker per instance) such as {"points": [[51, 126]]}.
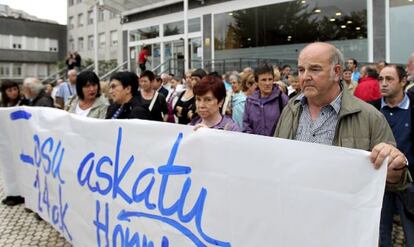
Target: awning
{"points": [[127, 7]]}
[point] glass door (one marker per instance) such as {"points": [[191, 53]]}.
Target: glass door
{"points": [[196, 53]]}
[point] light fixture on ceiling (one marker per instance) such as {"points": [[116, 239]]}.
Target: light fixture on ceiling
{"points": [[332, 19], [303, 2], [338, 13], [358, 28], [349, 22], [231, 13], [317, 11], [343, 26]]}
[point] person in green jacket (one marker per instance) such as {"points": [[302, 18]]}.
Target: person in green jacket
{"points": [[88, 102], [325, 113]]}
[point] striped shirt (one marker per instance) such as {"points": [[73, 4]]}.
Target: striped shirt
{"points": [[322, 129]]}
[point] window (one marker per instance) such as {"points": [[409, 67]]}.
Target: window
{"points": [[4, 69], [114, 38], [17, 42], [90, 42], [314, 21], [80, 43], [90, 17], [401, 40], [71, 2], [101, 15], [53, 45], [80, 20], [42, 45], [112, 15], [144, 33], [102, 40], [30, 70], [4, 41], [174, 28], [31, 43], [71, 44], [71, 24], [17, 70], [41, 70], [194, 25], [78, 1]]}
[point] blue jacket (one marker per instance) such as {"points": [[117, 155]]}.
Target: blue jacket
{"points": [[261, 115]]}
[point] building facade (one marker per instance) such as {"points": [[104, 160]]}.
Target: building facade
{"points": [[29, 48], [367, 30], [81, 32]]}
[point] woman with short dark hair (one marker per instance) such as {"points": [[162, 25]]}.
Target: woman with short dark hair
{"points": [[88, 101], [209, 96], [123, 89]]}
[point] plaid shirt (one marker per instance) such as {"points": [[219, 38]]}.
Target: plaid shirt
{"points": [[322, 130]]}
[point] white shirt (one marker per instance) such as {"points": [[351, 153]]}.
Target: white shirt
{"points": [[80, 112]]}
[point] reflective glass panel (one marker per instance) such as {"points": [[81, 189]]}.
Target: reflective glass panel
{"points": [[144, 33]]}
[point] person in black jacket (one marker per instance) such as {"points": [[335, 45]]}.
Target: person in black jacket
{"points": [[34, 92], [123, 89]]}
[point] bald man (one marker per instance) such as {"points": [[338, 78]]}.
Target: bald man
{"points": [[325, 113], [66, 90]]}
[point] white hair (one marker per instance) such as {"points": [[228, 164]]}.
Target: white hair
{"points": [[34, 85]]}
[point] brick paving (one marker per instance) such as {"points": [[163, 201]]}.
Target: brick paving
{"points": [[19, 228]]}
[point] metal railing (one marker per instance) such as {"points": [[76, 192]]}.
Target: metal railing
{"points": [[224, 65], [58, 74], [116, 69], [166, 67], [54, 75]]}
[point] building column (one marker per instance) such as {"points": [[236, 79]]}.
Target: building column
{"points": [[379, 27], [207, 42]]}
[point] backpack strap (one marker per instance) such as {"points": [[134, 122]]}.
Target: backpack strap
{"points": [[153, 101]]}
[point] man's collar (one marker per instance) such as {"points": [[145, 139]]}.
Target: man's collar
{"points": [[336, 103], [404, 104]]}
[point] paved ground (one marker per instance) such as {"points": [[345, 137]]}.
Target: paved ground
{"points": [[20, 228]]}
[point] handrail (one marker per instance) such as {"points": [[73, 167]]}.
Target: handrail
{"points": [[113, 70], [162, 64], [60, 77], [90, 66], [53, 75]]}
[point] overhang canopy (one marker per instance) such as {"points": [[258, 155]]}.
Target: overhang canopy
{"points": [[127, 7]]}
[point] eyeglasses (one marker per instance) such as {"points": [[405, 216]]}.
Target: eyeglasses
{"points": [[113, 86]]}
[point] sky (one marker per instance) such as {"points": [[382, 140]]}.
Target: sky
{"points": [[55, 10]]}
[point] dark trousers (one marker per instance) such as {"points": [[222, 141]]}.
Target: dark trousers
{"points": [[142, 67]]}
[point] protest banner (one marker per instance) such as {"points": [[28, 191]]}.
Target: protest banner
{"points": [[143, 183]]}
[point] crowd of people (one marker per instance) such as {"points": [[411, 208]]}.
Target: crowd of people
{"points": [[327, 101]]}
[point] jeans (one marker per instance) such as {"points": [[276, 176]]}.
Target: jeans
{"points": [[392, 205]]}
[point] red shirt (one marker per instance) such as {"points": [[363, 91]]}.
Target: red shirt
{"points": [[142, 57], [368, 89]]}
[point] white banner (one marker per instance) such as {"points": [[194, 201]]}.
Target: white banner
{"points": [[142, 183]]}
